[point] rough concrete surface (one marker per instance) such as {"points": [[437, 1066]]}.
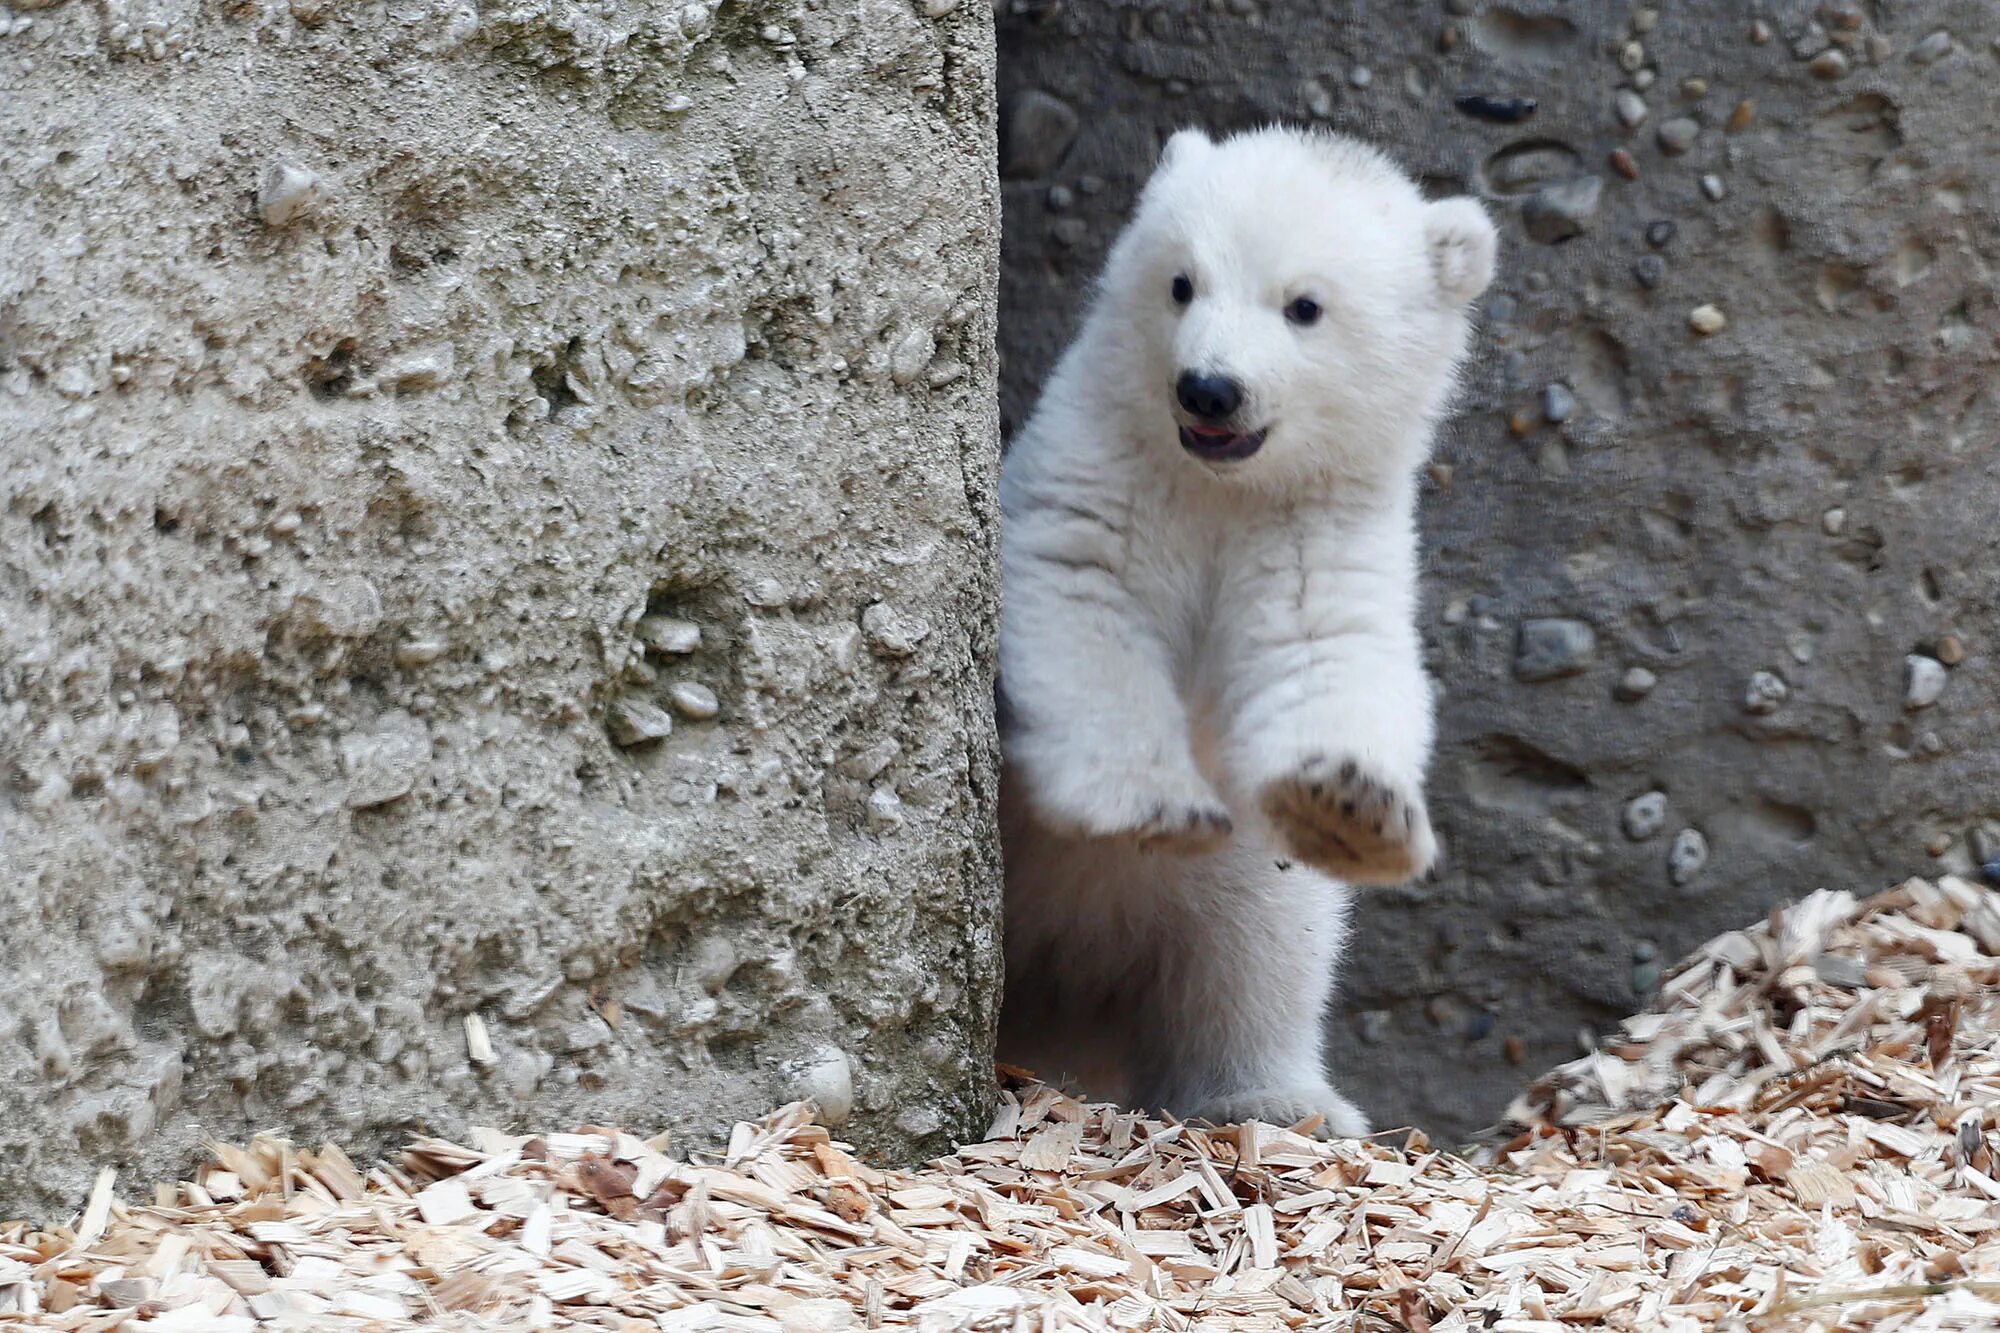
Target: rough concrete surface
{"points": [[1711, 547], [496, 520]]}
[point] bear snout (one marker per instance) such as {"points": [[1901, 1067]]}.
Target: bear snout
{"points": [[1208, 397]]}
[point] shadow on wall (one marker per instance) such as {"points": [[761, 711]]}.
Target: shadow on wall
{"points": [[1708, 542]]}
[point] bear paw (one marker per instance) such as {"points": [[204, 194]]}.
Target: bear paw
{"points": [[1183, 827], [1339, 1118], [1338, 817], [1157, 811]]}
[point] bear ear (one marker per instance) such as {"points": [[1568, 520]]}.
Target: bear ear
{"points": [[1462, 243], [1183, 145]]}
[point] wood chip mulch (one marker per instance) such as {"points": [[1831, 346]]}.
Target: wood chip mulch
{"points": [[1802, 1135]]}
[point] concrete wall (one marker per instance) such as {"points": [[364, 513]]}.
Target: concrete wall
{"points": [[409, 413], [1676, 579]]}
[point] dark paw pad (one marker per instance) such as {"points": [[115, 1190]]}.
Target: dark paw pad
{"points": [[1338, 816]]}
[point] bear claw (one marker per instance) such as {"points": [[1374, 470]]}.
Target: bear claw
{"points": [[1184, 828], [1158, 810], [1338, 1117]]}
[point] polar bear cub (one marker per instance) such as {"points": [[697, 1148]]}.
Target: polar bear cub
{"points": [[1214, 712]]}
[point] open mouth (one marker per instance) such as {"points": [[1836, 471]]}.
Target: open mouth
{"points": [[1221, 446]]}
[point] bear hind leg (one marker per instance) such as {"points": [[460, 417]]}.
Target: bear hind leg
{"points": [[1233, 1028]]}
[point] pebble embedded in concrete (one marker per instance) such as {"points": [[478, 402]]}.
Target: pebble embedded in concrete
{"points": [[1830, 65], [667, 636], [345, 606], [914, 353], [1558, 403], [1645, 816], [1552, 648], [713, 961], [767, 594], [1635, 684], [421, 651], [1660, 233], [1924, 681], [1631, 108], [1707, 320], [286, 192], [1650, 270], [1931, 49], [825, 1079], [1497, 110], [1713, 187], [870, 763], [890, 634], [635, 721], [1645, 967], [1678, 135], [1766, 693], [1687, 857], [694, 701], [1979, 840]]}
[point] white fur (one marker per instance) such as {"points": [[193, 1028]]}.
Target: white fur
{"points": [[1215, 711]]}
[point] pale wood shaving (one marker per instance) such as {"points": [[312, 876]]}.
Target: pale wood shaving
{"points": [[1802, 1136]]}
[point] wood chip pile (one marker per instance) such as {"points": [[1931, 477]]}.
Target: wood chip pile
{"points": [[1801, 1137]]}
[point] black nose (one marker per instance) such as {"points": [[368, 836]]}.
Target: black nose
{"points": [[1210, 397]]}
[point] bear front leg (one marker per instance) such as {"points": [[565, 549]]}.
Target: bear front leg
{"points": [[1093, 727], [1328, 707]]}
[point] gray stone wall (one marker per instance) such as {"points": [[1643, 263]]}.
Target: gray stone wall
{"points": [[496, 522], [1711, 554]]}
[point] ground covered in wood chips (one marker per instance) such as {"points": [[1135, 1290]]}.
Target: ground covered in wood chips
{"points": [[1800, 1136]]}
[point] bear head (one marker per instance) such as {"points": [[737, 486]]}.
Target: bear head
{"points": [[1287, 302]]}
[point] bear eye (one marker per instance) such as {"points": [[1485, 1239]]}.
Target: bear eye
{"points": [[1183, 289], [1303, 311]]}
